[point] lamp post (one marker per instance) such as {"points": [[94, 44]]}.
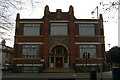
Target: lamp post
{"points": [[99, 40]]}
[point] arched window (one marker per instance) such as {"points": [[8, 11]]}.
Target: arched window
{"points": [[59, 50]]}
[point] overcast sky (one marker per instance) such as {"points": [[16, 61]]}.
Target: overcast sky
{"points": [[82, 10]]}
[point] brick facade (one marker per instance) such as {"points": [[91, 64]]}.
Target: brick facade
{"points": [[71, 42]]}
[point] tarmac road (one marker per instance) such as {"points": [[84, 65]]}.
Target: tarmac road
{"points": [[55, 76]]}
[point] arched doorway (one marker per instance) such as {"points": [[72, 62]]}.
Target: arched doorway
{"points": [[58, 57]]}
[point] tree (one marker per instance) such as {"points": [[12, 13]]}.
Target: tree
{"points": [[113, 55], [7, 9], [109, 9]]}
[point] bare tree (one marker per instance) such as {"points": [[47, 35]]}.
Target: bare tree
{"points": [[7, 9], [109, 8]]}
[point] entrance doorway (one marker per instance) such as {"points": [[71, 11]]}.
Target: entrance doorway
{"points": [[59, 62], [58, 57]]}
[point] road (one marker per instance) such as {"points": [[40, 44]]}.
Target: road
{"points": [[54, 76], [0, 71]]}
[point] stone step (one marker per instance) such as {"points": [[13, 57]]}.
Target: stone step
{"points": [[59, 70]]}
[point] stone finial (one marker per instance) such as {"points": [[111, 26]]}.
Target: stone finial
{"points": [[101, 17], [47, 8], [46, 11], [59, 14], [71, 10], [18, 16]]}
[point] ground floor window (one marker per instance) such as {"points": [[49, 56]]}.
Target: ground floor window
{"points": [[30, 69], [87, 68], [89, 49], [30, 51]]}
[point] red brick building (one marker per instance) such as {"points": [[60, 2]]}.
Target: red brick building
{"points": [[58, 40]]}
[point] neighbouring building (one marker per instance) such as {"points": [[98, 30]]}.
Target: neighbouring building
{"points": [[0, 61], [6, 55], [58, 40]]}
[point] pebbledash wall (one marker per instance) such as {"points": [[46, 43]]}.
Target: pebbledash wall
{"points": [[58, 40]]}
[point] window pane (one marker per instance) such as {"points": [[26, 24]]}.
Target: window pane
{"points": [[52, 59], [59, 49], [30, 69], [31, 29], [86, 29], [59, 29], [30, 51], [91, 49]]}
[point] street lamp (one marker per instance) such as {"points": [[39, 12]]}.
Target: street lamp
{"points": [[109, 46], [99, 41]]}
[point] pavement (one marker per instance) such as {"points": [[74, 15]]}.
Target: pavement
{"points": [[0, 74], [66, 76]]}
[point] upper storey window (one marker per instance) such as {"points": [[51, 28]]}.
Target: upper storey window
{"points": [[59, 29], [31, 29], [87, 29]]}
